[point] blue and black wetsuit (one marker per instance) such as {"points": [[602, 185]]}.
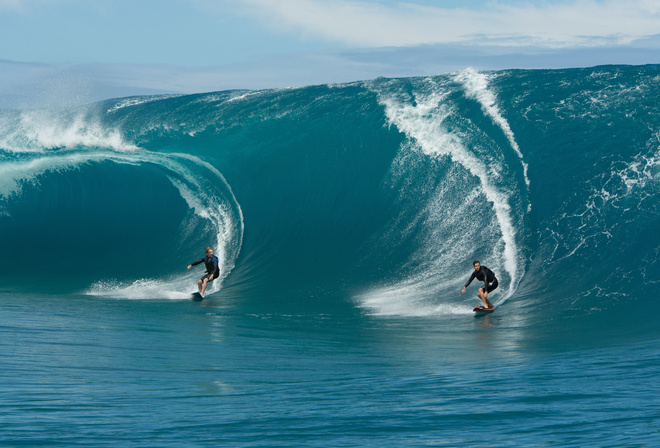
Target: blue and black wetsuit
{"points": [[212, 267], [484, 275]]}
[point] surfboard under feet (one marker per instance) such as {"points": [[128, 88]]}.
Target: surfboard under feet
{"points": [[482, 310]]}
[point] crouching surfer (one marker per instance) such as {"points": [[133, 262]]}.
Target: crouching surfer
{"points": [[212, 270], [483, 274]]}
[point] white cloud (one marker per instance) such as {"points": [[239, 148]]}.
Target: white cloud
{"points": [[29, 6], [10, 5], [558, 24]]}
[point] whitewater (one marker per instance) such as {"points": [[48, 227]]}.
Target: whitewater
{"points": [[346, 219]]}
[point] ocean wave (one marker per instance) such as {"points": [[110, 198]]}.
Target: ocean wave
{"points": [[382, 192]]}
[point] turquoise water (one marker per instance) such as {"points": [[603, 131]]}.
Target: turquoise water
{"points": [[83, 372], [346, 219]]}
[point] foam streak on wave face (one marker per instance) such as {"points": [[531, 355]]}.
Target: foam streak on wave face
{"points": [[476, 86], [422, 120]]}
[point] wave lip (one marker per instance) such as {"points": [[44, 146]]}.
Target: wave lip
{"points": [[41, 130]]}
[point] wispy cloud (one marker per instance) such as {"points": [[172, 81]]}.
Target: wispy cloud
{"points": [[24, 6], [550, 24], [10, 5], [383, 39]]}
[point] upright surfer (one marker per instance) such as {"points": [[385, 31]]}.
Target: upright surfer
{"points": [[483, 274], [212, 270]]}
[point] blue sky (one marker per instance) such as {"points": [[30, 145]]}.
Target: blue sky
{"points": [[80, 50]]}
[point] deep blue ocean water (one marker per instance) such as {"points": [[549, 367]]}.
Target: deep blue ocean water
{"points": [[346, 219]]}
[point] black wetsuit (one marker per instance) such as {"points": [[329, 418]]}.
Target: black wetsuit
{"points": [[484, 275], [212, 267]]}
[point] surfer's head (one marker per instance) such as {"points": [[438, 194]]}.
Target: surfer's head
{"points": [[476, 265], [209, 251]]}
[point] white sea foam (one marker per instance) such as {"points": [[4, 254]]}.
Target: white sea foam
{"points": [[38, 131], [640, 172], [407, 299], [143, 289], [242, 95], [415, 296], [135, 101], [623, 188], [422, 119], [477, 87], [424, 124]]}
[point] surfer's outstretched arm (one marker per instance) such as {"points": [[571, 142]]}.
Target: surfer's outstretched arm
{"points": [[474, 274], [201, 260]]}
